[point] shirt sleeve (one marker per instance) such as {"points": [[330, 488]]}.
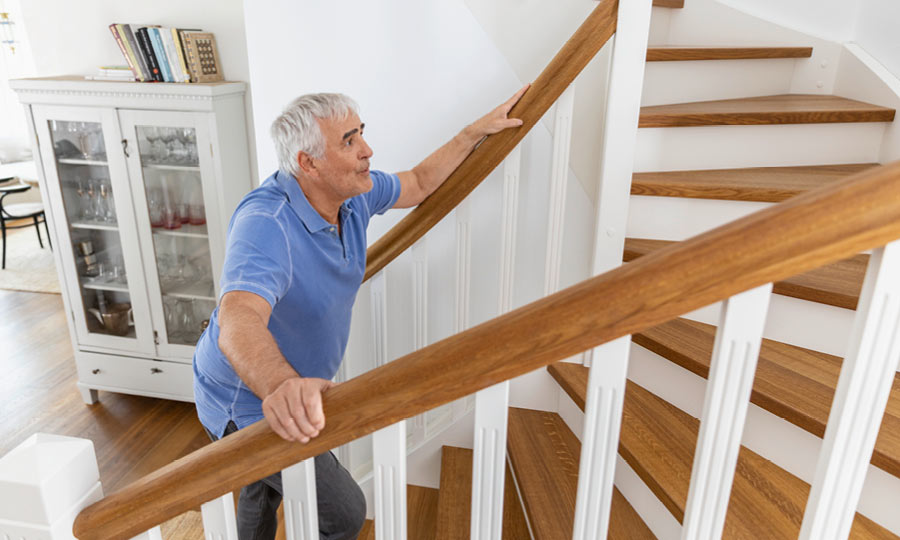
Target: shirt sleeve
{"points": [[257, 258], [384, 193]]}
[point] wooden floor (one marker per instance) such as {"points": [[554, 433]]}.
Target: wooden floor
{"points": [[132, 435]]}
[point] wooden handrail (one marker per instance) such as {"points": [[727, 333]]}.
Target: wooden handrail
{"points": [[820, 227], [584, 44]]}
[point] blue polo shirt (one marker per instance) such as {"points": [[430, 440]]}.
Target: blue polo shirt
{"points": [[281, 249]]}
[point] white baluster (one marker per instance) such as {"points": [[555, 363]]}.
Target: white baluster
{"points": [[420, 319], [219, 521], [732, 368], [390, 482], [559, 179], [609, 362], [859, 401], [463, 278], [301, 515], [491, 404], [152, 534], [378, 290]]}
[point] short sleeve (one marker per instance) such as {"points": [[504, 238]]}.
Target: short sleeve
{"points": [[384, 193], [257, 258]]}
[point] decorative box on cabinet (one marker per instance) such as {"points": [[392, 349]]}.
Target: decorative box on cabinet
{"points": [[139, 181]]}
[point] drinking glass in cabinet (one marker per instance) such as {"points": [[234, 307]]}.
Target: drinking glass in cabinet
{"points": [[168, 146]]}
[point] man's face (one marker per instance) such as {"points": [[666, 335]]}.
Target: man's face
{"points": [[344, 169]]}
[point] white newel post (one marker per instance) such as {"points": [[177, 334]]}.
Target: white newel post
{"points": [[859, 401], [609, 362], [219, 520], [492, 404], [44, 483], [390, 482], [301, 516], [731, 373]]}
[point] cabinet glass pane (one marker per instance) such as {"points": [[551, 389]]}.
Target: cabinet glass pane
{"points": [[80, 156], [177, 217]]}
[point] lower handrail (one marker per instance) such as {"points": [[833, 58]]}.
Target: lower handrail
{"points": [[811, 230]]}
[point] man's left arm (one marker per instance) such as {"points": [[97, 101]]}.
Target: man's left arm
{"points": [[420, 182]]}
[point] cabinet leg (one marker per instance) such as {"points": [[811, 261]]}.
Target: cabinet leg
{"points": [[89, 395]]}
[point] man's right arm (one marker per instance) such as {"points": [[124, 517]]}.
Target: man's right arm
{"points": [[291, 404]]}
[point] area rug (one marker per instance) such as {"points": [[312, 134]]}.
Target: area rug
{"points": [[28, 267]]}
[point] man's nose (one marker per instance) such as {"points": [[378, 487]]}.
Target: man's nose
{"points": [[366, 150]]}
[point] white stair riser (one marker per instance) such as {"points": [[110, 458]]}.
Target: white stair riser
{"points": [[723, 147], [679, 218], [803, 323], [786, 445], [707, 80]]}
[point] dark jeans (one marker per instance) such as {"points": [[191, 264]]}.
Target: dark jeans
{"points": [[342, 506]]}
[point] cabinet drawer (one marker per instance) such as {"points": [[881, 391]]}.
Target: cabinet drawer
{"points": [[136, 376]]}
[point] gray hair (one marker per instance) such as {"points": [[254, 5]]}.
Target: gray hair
{"points": [[297, 130]]}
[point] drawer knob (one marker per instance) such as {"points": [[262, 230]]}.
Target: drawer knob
{"points": [[96, 371], [155, 370]]}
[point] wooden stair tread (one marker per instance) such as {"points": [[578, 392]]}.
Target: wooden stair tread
{"points": [[794, 383], [677, 53], [421, 512], [544, 454], [780, 109], [658, 441], [760, 184], [675, 4], [836, 284], [455, 499], [368, 531]]}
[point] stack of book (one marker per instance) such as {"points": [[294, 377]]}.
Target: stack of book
{"points": [[159, 54], [112, 73]]}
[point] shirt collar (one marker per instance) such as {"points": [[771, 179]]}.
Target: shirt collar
{"points": [[311, 219]]}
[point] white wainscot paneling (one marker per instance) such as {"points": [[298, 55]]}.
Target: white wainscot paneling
{"points": [[798, 322], [679, 218], [788, 446], [704, 80], [723, 147]]}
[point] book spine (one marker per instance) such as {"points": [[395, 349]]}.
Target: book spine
{"points": [[131, 41], [115, 32], [160, 52], [179, 53], [133, 62], [144, 41], [165, 35]]}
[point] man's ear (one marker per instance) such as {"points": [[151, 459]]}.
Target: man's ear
{"points": [[307, 164]]}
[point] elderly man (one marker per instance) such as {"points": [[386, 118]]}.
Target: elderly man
{"points": [[295, 257]]}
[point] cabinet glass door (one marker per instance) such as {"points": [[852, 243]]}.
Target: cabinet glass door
{"points": [[172, 216], [91, 213]]}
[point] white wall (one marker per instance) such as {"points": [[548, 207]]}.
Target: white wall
{"points": [[74, 38], [828, 19], [877, 31]]}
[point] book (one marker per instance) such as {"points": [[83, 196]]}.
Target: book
{"points": [[202, 57], [130, 30], [134, 62], [160, 52], [113, 28], [147, 49], [169, 44]]}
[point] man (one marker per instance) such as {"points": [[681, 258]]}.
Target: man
{"points": [[294, 262]]}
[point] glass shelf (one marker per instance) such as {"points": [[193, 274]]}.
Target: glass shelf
{"points": [[197, 290], [187, 230], [73, 161], [102, 285], [171, 167], [95, 225]]}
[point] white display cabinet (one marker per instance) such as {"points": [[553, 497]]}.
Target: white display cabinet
{"points": [[139, 181]]}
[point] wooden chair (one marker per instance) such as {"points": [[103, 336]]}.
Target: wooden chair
{"points": [[18, 211]]}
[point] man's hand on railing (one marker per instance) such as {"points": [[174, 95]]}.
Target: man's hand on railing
{"points": [[294, 409]]}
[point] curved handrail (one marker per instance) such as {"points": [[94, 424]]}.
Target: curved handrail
{"points": [[584, 44], [808, 231]]}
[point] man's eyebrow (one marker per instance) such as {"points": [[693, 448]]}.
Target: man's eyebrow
{"points": [[352, 131]]}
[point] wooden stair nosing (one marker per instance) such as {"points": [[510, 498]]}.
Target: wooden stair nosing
{"points": [[677, 54], [544, 455], [658, 440], [674, 4], [837, 284], [764, 110], [455, 499], [757, 184], [791, 382]]}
